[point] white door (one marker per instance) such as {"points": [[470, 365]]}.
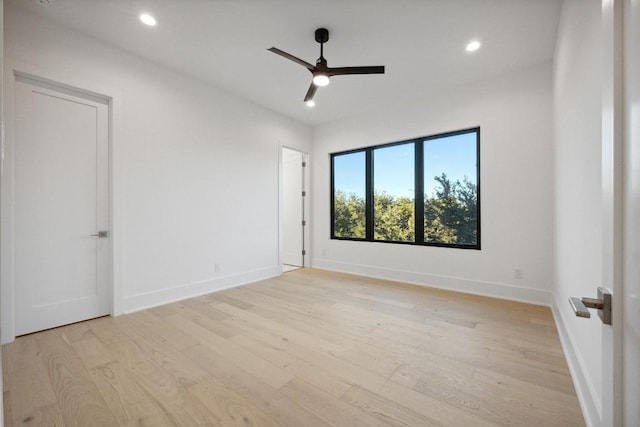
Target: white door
{"points": [[631, 227], [292, 208], [60, 204]]}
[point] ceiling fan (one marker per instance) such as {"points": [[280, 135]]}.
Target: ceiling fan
{"points": [[321, 72]]}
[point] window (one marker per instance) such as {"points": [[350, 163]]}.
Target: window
{"points": [[422, 191], [349, 189], [451, 189], [394, 193]]}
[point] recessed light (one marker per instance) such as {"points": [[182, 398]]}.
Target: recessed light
{"points": [[311, 103], [472, 46], [148, 19]]}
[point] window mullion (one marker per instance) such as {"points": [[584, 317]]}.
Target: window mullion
{"points": [[369, 205], [419, 192]]}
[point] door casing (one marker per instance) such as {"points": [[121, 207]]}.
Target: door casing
{"points": [[304, 205], [12, 72]]}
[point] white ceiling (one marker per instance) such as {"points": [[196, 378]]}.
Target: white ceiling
{"points": [[421, 43]]}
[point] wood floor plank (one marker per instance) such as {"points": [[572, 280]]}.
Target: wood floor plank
{"points": [[382, 300], [129, 402], [21, 354], [92, 351], [226, 299], [151, 350], [77, 396], [6, 406], [205, 308], [161, 372], [303, 369], [308, 348], [321, 320], [24, 368], [291, 333], [343, 330], [335, 412], [204, 315], [38, 407], [466, 337], [232, 409], [352, 347], [482, 354], [388, 411], [558, 405], [282, 410], [45, 416], [252, 363], [433, 409], [159, 333], [321, 354], [469, 396]]}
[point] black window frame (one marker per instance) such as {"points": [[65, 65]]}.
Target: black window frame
{"points": [[418, 193]]}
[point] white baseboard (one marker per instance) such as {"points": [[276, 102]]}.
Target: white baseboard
{"points": [[588, 398], [189, 290], [477, 287], [2, 401]]}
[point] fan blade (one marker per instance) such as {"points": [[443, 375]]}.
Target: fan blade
{"points": [[292, 58], [311, 92], [339, 71]]}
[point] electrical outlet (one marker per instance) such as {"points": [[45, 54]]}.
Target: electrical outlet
{"points": [[518, 274], [216, 268]]}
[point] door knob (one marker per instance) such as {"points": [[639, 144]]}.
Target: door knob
{"points": [[602, 304], [101, 234]]}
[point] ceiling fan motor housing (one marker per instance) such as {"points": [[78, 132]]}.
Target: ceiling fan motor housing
{"points": [[322, 35]]}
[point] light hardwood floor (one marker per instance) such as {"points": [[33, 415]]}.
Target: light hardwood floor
{"points": [[309, 348]]}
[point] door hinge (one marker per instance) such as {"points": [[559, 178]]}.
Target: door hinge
{"points": [[304, 252], [304, 193], [304, 222], [304, 164]]}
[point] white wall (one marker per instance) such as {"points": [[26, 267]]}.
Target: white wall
{"points": [[195, 169], [514, 113], [578, 196]]}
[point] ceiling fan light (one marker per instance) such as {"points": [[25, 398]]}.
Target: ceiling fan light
{"points": [[320, 80], [310, 103], [148, 20], [473, 45]]}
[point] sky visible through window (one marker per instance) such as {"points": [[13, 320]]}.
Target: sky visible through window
{"points": [[454, 155], [394, 171], [349, 173]]}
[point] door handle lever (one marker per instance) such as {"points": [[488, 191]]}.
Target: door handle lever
{"points": [[602, 304], [101, 234], [579, 308]]}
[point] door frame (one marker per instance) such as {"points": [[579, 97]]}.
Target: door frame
{"points": [[626, 376], [13, 71], [305, 202], [613, 186]]}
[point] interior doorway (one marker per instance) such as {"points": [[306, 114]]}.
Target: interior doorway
{"points": [[60, 205], [293, 239]]}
